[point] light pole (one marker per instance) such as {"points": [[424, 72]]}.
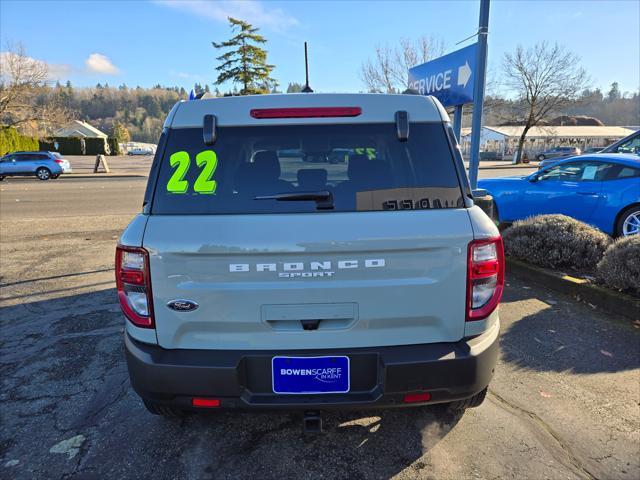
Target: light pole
{"points": [[478, 93]]}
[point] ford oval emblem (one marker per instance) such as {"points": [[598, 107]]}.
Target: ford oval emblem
{"points": [[182, 305]]}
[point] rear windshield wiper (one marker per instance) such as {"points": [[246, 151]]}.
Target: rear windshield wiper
{"points": [[323, 198]]}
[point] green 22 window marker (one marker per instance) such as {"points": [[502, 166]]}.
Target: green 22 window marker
{"points": [[207, 160]]}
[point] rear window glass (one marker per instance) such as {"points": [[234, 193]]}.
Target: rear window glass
{"points": [[363, 166]]}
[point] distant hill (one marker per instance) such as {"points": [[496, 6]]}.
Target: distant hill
{"points": [[143, 110]]}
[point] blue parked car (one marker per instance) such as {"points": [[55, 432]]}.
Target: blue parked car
{"points": [[602, 190], [44, 165]]}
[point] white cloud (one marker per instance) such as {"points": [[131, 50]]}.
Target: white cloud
{"points": [[56, 71], [59, 71], [250, 11], [98, 63]]}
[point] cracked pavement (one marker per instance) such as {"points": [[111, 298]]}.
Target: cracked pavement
{"points": [[564, 403]]}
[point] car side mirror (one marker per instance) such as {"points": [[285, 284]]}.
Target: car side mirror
{"points": [[534, 178]]}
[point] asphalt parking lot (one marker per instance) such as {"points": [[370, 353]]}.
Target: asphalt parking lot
{"points": [[564, 404]]}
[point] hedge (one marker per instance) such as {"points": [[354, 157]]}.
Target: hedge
{"points": [[66, 145], [96, 146], [12, 141], [114, 146], [555, 241], [620, 265]]}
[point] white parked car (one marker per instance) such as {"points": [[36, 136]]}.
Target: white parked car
{"points": [[141, 151]]}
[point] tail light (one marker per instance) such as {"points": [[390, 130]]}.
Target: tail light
{"points": [[305, 112], [133, 283], [59, 162], [485, 277]]}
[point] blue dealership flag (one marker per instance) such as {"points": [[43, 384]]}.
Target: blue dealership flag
{"points": [[192, 95]]}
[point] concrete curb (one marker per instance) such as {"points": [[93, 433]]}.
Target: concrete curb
{"points": [[603, 298], [102, 175]]}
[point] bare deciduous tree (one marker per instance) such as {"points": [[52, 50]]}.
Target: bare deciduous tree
{"points": [[22, 81], [387, 71], [545, 79]]}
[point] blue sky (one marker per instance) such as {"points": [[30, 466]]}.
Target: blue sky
{"points": [[169, 42]]}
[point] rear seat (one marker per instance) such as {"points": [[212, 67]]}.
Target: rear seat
{"points": [[262, 176]]}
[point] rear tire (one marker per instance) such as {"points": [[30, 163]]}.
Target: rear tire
{"points": [[43, 173], [166, 411], [1, 178], [472, 402]]}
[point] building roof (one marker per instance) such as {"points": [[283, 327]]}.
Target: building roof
{"points": [[77, 128], [563, 131]]}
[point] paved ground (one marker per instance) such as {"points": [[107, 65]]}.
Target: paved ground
{"points": [[564, 402]]}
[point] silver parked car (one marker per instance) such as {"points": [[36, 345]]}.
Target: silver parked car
{"points": [[558, 152]]}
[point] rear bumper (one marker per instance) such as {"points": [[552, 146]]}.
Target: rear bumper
{"points": [[380, 377]]}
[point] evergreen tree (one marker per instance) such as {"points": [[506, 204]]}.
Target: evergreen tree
{"points": [[614, 93], [294, 87], [245, 63]]}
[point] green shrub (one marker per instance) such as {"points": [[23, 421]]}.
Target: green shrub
{"points": [[620, 265], [66, 145], [12, 141], [114, 146], [46, 145], [96, 146], [555, 241]]}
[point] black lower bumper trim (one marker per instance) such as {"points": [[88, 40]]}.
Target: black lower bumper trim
{"points": [[380, 377]]}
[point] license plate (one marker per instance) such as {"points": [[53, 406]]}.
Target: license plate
{"points": [[305, 375]]}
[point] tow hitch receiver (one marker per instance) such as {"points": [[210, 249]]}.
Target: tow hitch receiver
{"points": [[312, 422]]}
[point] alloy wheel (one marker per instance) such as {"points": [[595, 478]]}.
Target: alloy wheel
{"points": [[631, 225]]}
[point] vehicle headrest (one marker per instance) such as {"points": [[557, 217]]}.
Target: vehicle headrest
{"points": [[267, 164], [358, 165], [312, 178]]}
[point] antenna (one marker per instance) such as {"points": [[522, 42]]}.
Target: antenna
{"points": [[307, 88]]}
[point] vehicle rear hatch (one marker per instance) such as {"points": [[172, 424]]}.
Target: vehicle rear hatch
{"points": [[270, 269]]}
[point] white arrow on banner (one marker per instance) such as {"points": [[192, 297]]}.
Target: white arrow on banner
{"points": [[464, 74]]}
